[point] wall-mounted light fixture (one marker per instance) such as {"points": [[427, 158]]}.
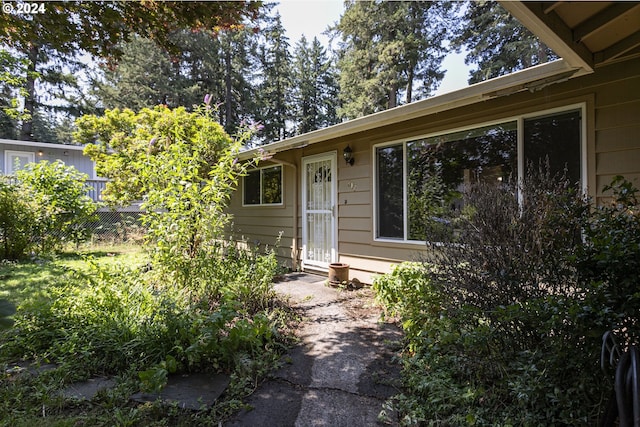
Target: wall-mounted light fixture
{"points": [[347, 153], [40, 153]]}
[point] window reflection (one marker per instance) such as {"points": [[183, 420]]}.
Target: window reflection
{"points": [[272, 185], [390, 214], [439, 168], [553, 141], [263, 186]]}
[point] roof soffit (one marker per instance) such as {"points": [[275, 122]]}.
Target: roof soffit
{"points": [[585, 33]]}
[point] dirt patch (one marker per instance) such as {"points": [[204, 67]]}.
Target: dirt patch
{"points": [[360, 303]]}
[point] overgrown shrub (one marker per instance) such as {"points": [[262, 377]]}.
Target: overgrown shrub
{"points": [[46, 206], [60, 202], [16, 225], [525, 290], [609, 261], [184, 167]]}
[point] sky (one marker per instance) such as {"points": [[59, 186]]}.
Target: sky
{"points": [[313, 17]]}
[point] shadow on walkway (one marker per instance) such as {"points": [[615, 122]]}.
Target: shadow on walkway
{"points": [[341, 372]]}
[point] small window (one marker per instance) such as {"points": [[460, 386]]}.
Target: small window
{"points": [[263, 186], [17, 160]]}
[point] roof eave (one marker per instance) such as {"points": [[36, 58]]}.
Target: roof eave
{"points": [[552, 31], [41, 144], [529, 79]]}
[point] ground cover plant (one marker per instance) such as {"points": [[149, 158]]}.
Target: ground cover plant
{"points": [[195, 302], [504, 323]]}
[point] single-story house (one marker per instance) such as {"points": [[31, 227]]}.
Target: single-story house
{"points": [[343, 193]]}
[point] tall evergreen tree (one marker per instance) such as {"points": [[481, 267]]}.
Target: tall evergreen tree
{"points": [[238, 67], [390, 50], [274, 90], [497, 43], [314, 87], [215, 63], [143, 77], [12, 78]]}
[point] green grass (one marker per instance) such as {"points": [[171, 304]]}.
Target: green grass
{"points": [[24, 280]]}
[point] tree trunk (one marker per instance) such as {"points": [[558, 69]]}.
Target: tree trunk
{"points": [[228, 89], [410, 85], [30, 100], [393, 93]]}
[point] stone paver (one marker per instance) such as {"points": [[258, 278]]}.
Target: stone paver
{"points": [[87, 390], [189, 391]]}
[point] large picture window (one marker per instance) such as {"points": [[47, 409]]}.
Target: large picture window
{"points": [[263, 186], [419, 182]]}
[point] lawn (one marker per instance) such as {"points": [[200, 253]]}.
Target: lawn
{"points": [[22, 280], [102, 312]]}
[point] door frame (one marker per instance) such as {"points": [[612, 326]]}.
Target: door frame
{"points": [[332, 157]]}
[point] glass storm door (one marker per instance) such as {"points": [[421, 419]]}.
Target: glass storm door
{"points": [[319, 219], [16, 160]]}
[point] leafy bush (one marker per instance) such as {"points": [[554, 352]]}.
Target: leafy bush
{"points": [[60, 202], [610, 259], [46, 206], [504, 325], [184, 167], [16, 225]]}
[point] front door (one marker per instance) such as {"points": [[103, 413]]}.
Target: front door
{"points": [[319, 187]]}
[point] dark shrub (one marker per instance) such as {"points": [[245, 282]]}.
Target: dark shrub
{"points": [[526, 278]]}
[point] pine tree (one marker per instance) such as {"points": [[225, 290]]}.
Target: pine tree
{"points": [[142, 78], [314, 87], [497, 43], [237, 104], [274, 90], [389, 51]]}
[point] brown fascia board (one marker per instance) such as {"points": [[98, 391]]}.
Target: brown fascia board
{"points": [[500, 86]]}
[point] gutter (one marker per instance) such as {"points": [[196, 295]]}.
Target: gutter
{"points": [[42, 144]]}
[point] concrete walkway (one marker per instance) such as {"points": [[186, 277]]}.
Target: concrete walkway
{"points": [[342, 371]]}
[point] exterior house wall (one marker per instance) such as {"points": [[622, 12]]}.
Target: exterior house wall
{"points": [[71, 156], [269, 226], [611, 125]]}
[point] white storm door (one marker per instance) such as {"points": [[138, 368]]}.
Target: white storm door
{"points": [[16, 160], [319, 187]]}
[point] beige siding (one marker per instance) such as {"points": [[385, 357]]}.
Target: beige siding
{"points": [[262, 225], [612, 99], [617, 129]]}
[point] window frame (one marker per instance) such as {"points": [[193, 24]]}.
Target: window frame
{"points": [[260, 170], [519, 119]]}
